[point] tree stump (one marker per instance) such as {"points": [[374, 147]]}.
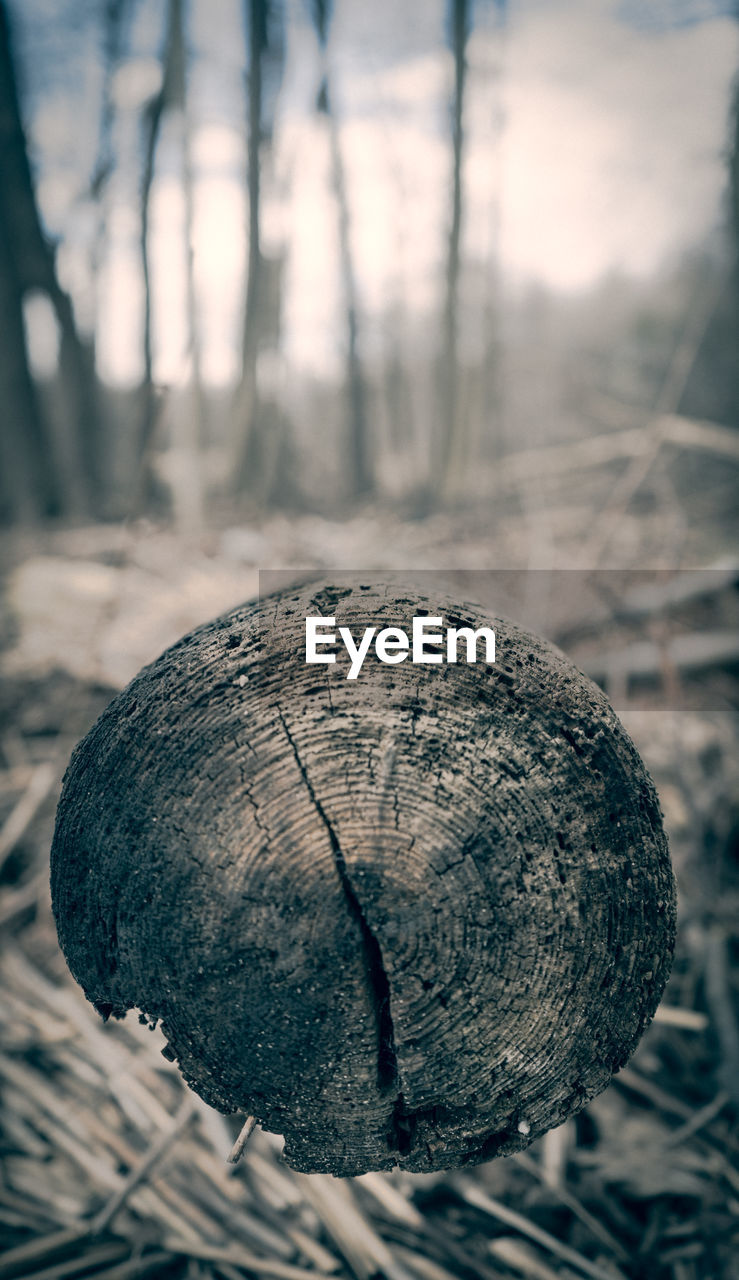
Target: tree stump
{"points": [[417, 918]]}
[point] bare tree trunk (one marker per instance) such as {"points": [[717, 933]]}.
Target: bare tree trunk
{"points": [[81, 400], [189, 429], [115, 14], [29, 264], [246, 400], [113, 23], [734, 170], [28, 481], [196, 435], [449, 399], [152, 128], [734, 230], [360, 463], [190, 432]]}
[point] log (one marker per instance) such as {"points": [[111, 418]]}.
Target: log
{"points": [[415, 918]]}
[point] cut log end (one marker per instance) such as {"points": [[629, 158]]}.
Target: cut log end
{"points": [[414, 919]]}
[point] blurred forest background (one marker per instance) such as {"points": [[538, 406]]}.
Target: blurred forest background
{"points": [[302, 256], [442, 284]]}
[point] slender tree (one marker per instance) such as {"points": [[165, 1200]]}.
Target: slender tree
{"points": [[733, 165], [170, 103], [114, 14], [246, 401], [449, 398], [29, 488], [152, 123], [176, 101], [28, 480], [27, 263], [360, 461]]}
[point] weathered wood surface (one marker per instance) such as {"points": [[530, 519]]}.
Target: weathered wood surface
{"points": [[417, 918]]}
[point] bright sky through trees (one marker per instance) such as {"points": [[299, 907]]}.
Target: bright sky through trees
{"points": [[591, 144]]}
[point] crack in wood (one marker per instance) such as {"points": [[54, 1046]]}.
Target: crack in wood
{"points": [[379, 985]]}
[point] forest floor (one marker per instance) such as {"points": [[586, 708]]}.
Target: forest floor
{"points": [[112, 1168]]}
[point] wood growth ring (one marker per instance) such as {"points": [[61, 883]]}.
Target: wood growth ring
{"points": [[413, 919]]}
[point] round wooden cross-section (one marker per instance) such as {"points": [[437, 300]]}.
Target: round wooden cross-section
{"points": [[414, 918]]}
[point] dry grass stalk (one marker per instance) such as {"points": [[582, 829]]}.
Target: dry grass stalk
{"points": [[475, 1196], [245, 1133], [142, 1170]]}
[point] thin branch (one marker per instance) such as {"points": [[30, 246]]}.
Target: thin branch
{"points": [[239, 1145]]}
